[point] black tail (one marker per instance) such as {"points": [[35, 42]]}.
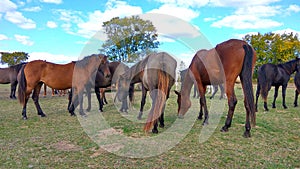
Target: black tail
{"points": [[22, 86], [246, 79]]}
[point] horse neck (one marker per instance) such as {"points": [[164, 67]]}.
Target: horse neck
{"points": [[186, 86], [134, 73], [289, 67]]}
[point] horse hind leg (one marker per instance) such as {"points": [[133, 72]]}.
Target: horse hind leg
{"points": [[232, 101], [283, 96], [35, 97], [257, 95], [275, 96], [296, 98]]}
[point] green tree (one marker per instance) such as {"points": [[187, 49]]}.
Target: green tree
{"points": [[274, 48], [129, 38], [13, 58]]}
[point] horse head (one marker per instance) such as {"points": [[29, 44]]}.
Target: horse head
{"points": [[104, 66], [123, 87], [183, 105]]}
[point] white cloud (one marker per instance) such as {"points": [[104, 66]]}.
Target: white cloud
{"points": [[74, 22], [259, 10], [185, 3], [6, 5], [287, 31], [174, 10], [54, 58], [246, 22], [52, 1], [3, 37], [18, 19], [209, 19], [240, 3], [33, 9], [24, 40], [51, 24], [293, 8]]}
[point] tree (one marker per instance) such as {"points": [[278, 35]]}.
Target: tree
{"points": [[274, 48], [129, 38], [13, 58]]}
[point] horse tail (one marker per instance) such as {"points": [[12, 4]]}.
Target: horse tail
{"points": [[246, 79], [160, 99], [22, 86]]}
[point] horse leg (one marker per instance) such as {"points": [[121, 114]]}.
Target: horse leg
{"points": [[24, 108], [97, 92], [296, 98], [257, 95], [283, 95], [232, 101], [88, 95], [35, 97], [13, 90], [104, 97], [71, 107], [222, 91], [275, 96], [161, 118], [265, 92], [200, 116], [215, 90], [80, 99], [143, 102]]}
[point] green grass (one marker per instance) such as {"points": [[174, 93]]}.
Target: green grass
{"points": [[59, 141]]}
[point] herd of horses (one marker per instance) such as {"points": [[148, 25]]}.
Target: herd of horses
{"points": [[219, 66]]}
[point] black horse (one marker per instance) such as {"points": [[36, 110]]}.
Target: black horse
{"points": [[297, 84], [274, 75], [9, 75]]}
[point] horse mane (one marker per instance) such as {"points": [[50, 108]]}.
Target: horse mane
{"points": [[86, 60], [17, 67], [289, 66]]}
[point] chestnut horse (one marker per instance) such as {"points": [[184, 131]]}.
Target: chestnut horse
{"points": [[297, 84], [9, 75], [274, 75], [222, 64], [39, 72], [156, 72]]}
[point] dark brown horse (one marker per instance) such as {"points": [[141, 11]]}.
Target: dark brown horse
{"points": [[297, 84], [9, 75], [274, 75], [72, 75], [116, 69], [222, 64], [157, 74]]}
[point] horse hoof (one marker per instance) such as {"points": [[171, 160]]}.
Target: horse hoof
{"points": [[24, 118], [100, 111], [204, 123], [285, 107], [161, 125], [224, 129], [200, 118], [247, 134], [72, 114], [180, 116], [154, 131], [43, 115]]}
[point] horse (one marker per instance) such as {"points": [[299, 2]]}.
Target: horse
{"points": [[196, 93], [156, 72], [297, 84], [116, 69], [274, 75], [222, 64], [59, 76], [9, 75]]}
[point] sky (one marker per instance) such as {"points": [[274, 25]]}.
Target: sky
{"points": [[61, 31]]}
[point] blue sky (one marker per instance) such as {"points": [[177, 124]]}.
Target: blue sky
{"points": [[60, 30]]}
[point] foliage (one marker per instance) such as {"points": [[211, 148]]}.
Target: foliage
{"points": [[274, 48], [13, 58], [129, 38]]}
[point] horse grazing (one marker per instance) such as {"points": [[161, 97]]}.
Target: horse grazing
{"points": [[101, 82], [274, 75], [222, 64], [72, 75], [156, 72], [297, 84], [9, 75]]}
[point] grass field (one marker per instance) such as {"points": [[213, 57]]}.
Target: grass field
{"points": [[59, 141]]}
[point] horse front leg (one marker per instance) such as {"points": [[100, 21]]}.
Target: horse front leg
{"points": [[97, 92], [71, 107], [275, 96], [232, 101], [88, 95], [13, 90], [283, 96], [35, 97], [80, 99], [296, 98], [24, 108], [143, 102]]}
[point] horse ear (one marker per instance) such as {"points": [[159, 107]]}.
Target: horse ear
{"points": [[177, 92]]}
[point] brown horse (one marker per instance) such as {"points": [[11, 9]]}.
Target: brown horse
{"points": [[157, 74], [9, 75], [72, 75], [222, 64]]}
